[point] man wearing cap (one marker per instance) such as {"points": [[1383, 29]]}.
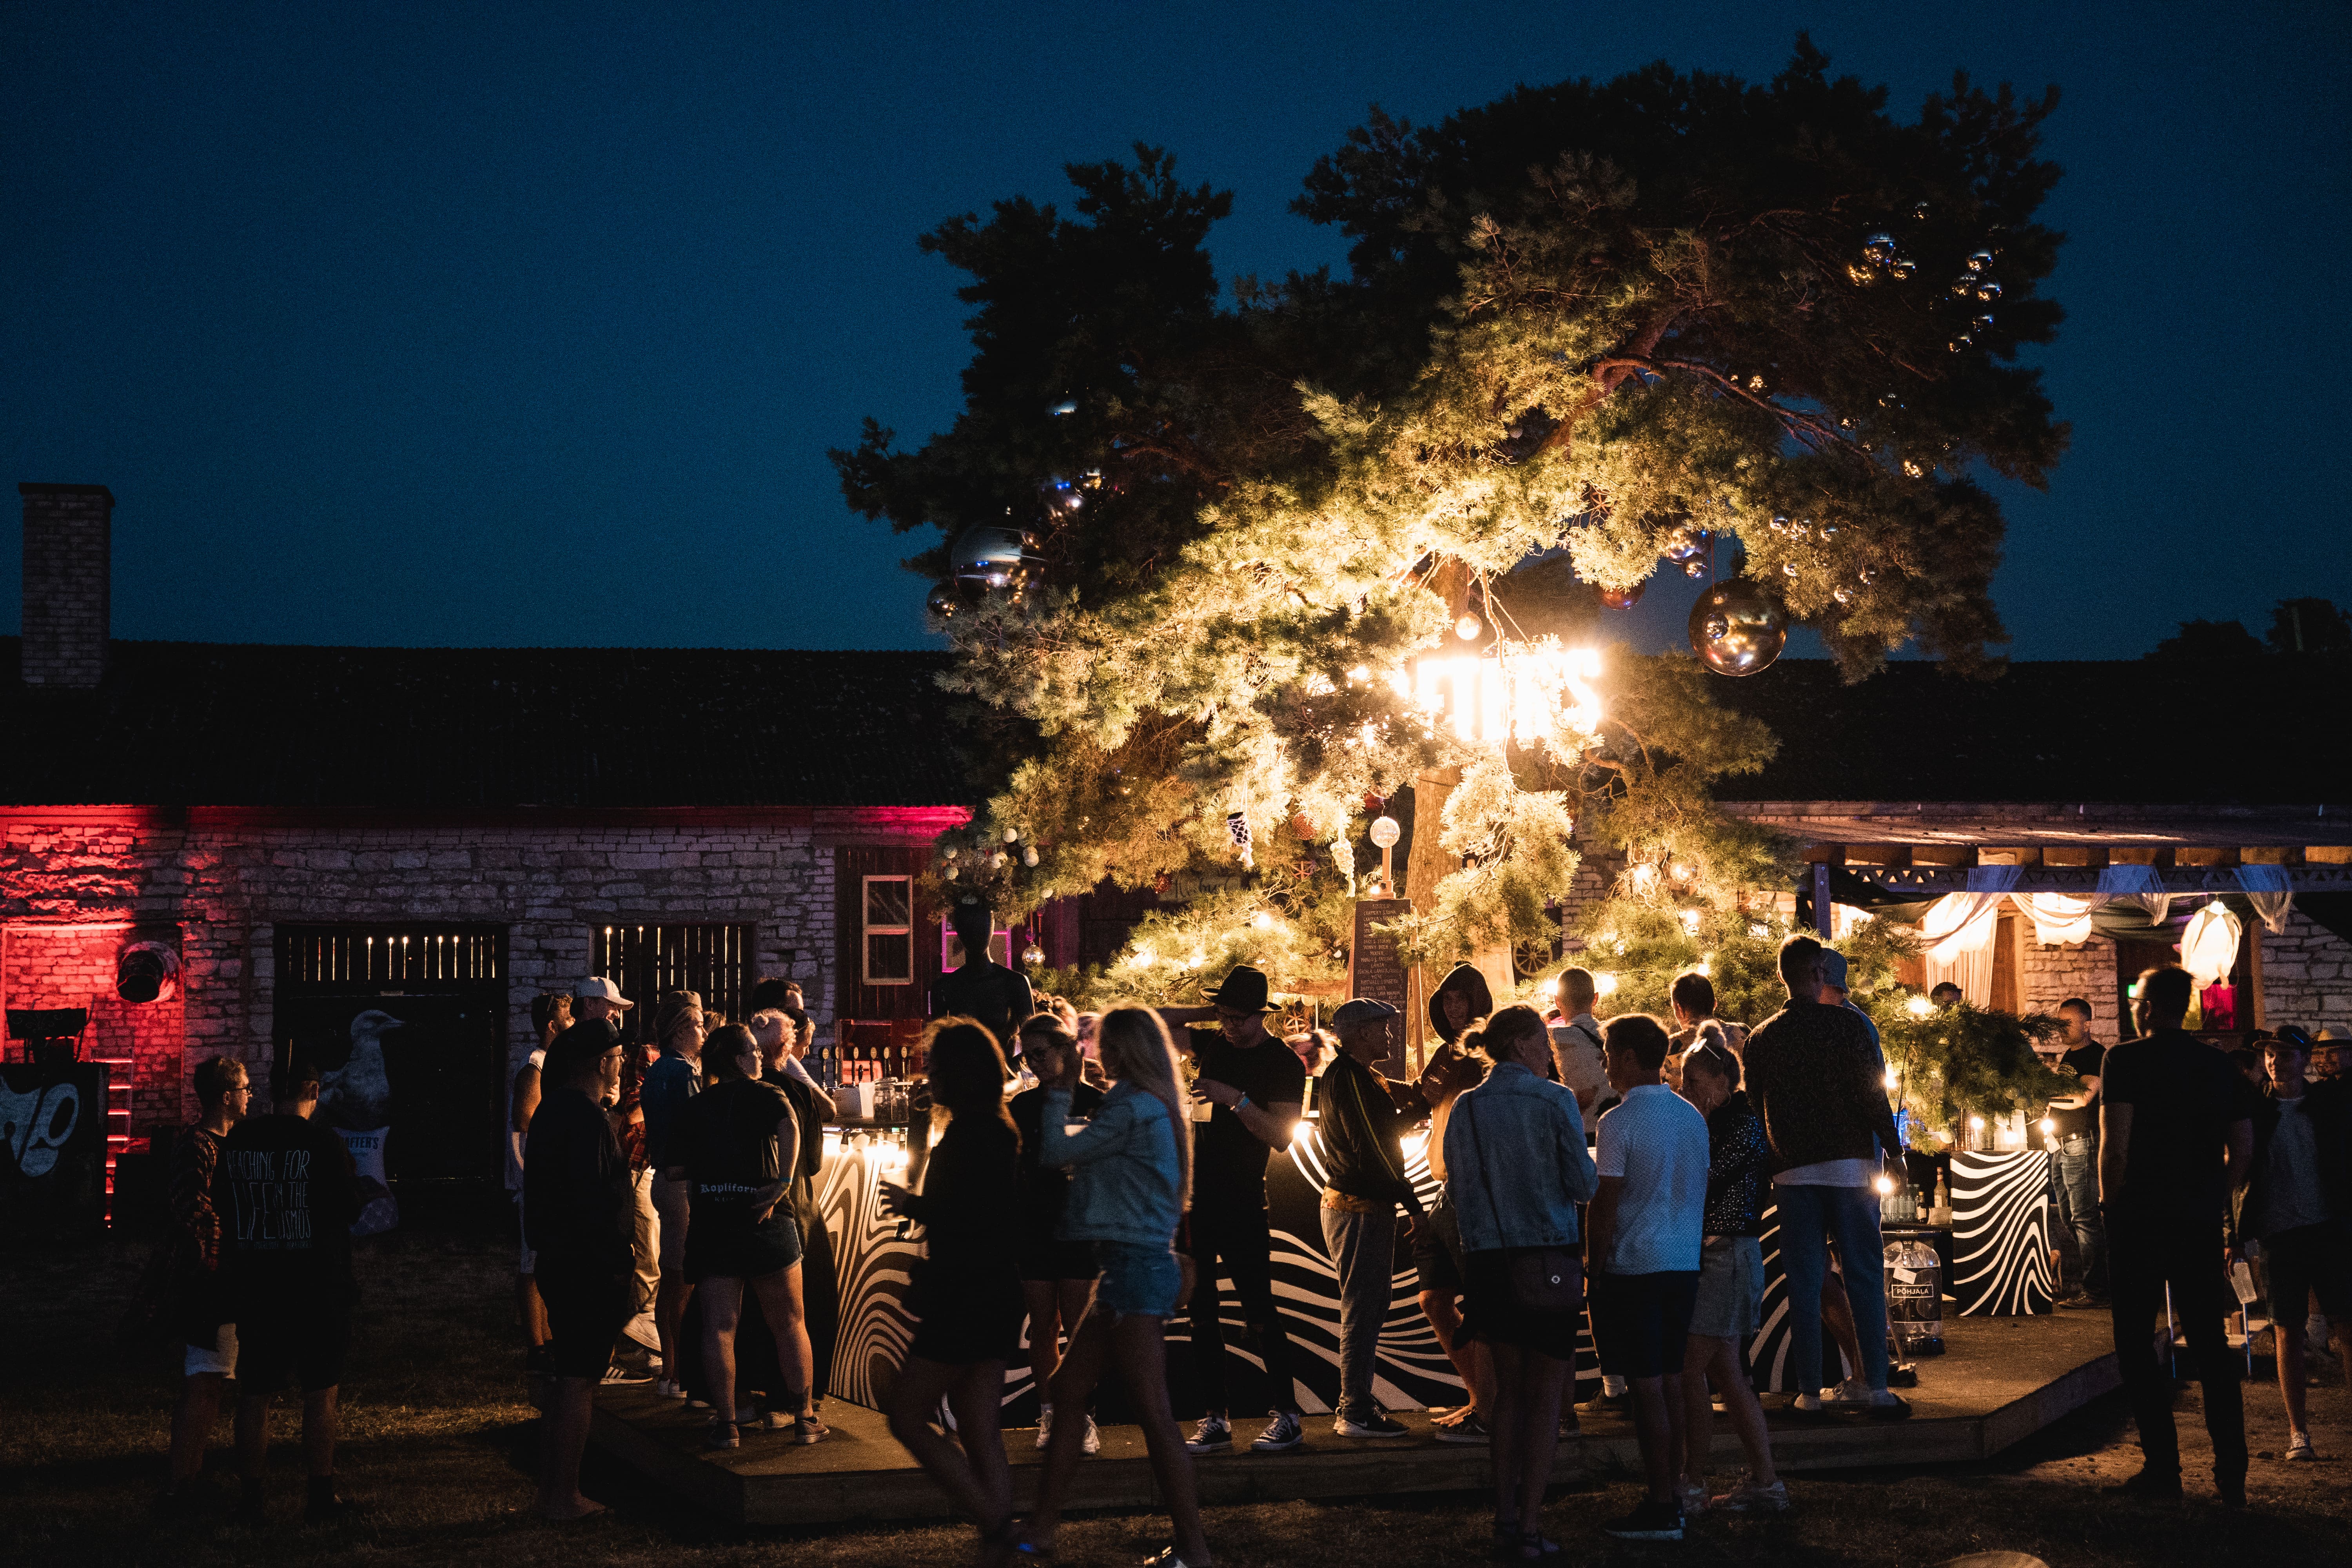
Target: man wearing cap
{"points": [[1254, 1089], [1836, 993], [1363, 1165]]}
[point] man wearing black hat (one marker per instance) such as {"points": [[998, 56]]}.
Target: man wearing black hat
{"points": [[1250, 1089]]}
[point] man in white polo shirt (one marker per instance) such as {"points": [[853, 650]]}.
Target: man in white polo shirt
{"points": [[1647, 1229]]}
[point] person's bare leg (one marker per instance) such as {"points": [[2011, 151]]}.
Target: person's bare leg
{"points": [[1468, 1356], [1074, 1381], [562, 1439], [781, 1304], [1507, 1429], [914, 1395], [977, 1396], [1729, 1373], [193, 1420], [1043, 1299], [1539, 1436], [252, 1437], [320, 1409], [1656, 1427], [722, 1309], [1699, 1354], [1837, 1316], [533, 1310], [1142, 1345], [2289, 1338], [669, 1312]]}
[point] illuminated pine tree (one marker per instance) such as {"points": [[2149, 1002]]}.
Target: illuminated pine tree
{"points": [[1586, 321]]}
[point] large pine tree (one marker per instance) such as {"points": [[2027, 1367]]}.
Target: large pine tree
{"points": [[1584, 323]]}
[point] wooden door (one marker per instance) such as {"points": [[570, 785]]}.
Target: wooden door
{"points": [[887, 934]]}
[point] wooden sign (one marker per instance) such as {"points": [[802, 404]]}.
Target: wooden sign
{"points": [[1377, 973]]}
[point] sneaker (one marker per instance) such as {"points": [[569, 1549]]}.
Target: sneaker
{"points": [[619, 1376], [1690, 1496], [1281, 1435], [2299, 1451], [1214, 1434], [1749, 1498], [1617, 1402], [767, 1420], [1649, 1522], [808, 1429], [1805, 1404], [1469, 1429], [2083, 1301], [722, 1434], [665, 1389], [1379, 1424], [1093, 1443], [1885, 1405], [642, 1329], [1045, 1425]]}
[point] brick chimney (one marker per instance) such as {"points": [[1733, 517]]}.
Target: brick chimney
{"points": [[68, 609]]}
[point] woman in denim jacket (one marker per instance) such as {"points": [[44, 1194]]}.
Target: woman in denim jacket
{"points": [[1515, 1169], [1130, 1177]]}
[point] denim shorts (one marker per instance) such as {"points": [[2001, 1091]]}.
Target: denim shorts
{"points": [[1138, 1281]]}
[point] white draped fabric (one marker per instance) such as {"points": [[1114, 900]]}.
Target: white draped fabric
{"points": [[1959, 930], [2138, 885], [2059, 917], [2265, 887], [2210, 946]]}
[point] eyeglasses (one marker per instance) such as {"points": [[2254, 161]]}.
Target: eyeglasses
{"points": [[241, 1089]]}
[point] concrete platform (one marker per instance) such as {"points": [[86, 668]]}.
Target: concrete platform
{"points": [[2001, 1380]]}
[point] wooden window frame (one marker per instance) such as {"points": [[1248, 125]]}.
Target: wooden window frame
{"points": [[868, 931]]}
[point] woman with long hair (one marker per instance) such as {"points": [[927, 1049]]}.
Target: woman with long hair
{"points": [[966, 1295], [1731, 1281], [1515, 1169], [1131, 1178]]}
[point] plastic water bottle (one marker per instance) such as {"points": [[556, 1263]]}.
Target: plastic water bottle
{"points": [[1914, 1297]]}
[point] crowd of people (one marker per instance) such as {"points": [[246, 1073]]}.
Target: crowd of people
{"points": [[1095, 1177]]}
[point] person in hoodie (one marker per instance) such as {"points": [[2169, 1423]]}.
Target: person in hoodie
{"points": [[1456, 1008]]}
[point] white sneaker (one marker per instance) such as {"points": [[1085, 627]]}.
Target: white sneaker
{"points": [[1749, 1498], [1045, 1425], [1811, 1404], [665, 1389], [1692, 1495], [2299, 1451], [642, 1329], [1093, 1438]]}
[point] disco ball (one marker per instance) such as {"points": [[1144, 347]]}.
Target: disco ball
{"points": [[1622, 598], [1987, 290], [1980, 261], [994, 558], [1062, 498], [1878, 247], [1684, 546], [943, 601], [1735, 628]]}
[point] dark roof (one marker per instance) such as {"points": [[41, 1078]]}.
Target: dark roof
{"points": [[2258, 731], [237, 724]]}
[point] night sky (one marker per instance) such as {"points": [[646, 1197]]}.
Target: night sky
{"points": [[502, 324]]}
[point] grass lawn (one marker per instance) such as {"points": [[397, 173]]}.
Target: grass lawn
{"points": [[438, 1438]]}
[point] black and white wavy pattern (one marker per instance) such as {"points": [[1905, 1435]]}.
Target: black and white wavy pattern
{"points": [[876, 1267], [2000, 1234]]}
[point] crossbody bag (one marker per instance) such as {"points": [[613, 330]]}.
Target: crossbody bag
{"points": [[1543, 1279]]}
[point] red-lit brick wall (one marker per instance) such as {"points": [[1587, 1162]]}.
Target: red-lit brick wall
{"points": [[73, 966]]}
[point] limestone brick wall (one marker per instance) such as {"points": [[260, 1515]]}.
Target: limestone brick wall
{"points": [[74, 966], [227, 887], [2306, 976], [2050, 975]]}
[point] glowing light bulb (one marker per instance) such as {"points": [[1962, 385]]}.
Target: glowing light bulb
{"points": [[1466, 628], [1690, 921], [1605, 984], [1644, 875], [1362, 672], [1918, 1007], [1894, 1078], [2048, 1124], [1145, 957], [1976, 1123], [1706, 965], [1885, 1185], [1262, 920]]}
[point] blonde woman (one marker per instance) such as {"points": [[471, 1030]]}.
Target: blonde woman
{"points": [[1131, 1178]]}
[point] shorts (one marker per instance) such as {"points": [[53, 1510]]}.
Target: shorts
{"points": [[729, 1246], [1049, 1260], [1730, 1289], [1437, 1250], [2310, 1258], [1640, 1321], [1492, 1315], [965, 1316], [219, 1357], [584, 1314], [1137, 1281], [310, 1347], [672, 1204], [530, 1259]]}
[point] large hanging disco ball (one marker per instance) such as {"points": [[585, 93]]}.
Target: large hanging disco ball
{"points": [[1685, 545], [1622, 598], [996, 559], [1735, 628]]}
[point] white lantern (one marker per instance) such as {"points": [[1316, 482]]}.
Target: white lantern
{"points": [[2209, 948]]}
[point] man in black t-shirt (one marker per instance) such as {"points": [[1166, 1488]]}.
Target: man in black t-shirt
{"points": [[982, 990], [2075, 1166], [286, 1196], [1253, 1088], [2176, 1136]]}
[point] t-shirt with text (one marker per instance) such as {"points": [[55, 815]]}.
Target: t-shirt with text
{"points": [[285, 1197], [1228, 1160]]}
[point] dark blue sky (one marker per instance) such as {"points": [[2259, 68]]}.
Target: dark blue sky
{"points": [[507, 324]]}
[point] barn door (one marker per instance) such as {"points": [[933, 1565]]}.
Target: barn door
{"points": [[886, 935]]}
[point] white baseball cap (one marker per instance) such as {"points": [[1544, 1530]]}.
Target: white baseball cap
{"points": [[597, 987]]}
